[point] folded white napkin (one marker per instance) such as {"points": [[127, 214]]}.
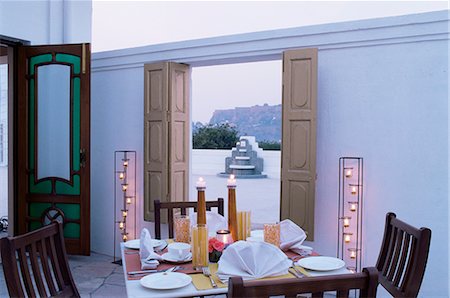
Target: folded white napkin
{"points": [[149, 259], [292, 237], [214, 221], [252, 260]]}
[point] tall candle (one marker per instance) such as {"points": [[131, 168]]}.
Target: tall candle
{"points": [[231, 181], [201, 202], [232, 220]]}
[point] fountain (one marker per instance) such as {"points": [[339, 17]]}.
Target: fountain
{"points": [[244, 161]]}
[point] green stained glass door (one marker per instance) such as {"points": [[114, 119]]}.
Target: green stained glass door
{"points": [[53, 141]]}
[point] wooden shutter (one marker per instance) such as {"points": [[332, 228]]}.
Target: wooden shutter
{"points": [[298, 161], [166, 134]]}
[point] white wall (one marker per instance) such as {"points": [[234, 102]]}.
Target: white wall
{"points": [[47, 21], [382, 95]]}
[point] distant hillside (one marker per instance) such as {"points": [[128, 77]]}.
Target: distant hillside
{"points": [[263, 122]]}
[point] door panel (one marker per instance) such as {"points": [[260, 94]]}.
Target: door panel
{"points": [[54, 141], [166, 134], [298, 170]]}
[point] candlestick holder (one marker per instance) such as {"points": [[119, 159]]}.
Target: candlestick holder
{"points": [[350, 212], [232, 215], [124, 198]]}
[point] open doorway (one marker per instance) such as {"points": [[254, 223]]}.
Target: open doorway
{"points": [[243, 100], [6, 204]]}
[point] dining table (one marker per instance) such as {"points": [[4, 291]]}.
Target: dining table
{"points": [[135, 289]]}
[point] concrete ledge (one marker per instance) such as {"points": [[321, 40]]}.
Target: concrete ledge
{"points": [[242, 167]]}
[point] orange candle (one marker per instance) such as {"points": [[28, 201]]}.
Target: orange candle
{"points": [[201, 202], [232, 219]]}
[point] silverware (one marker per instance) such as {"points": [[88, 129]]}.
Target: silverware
{"points": [[171, 269], [163, 248], [145, 271], [296, 272], [207, 273]]}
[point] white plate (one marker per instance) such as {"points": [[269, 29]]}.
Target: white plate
{"points": [[172, 259], [165, 280], [321, 263], [136, 243]]}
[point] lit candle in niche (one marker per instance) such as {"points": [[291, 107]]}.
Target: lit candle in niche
{"points": [[124, 187], [354, 189], [352, 253], [125, 163], [347, 237], [124, 213], [121, 225], [121, 175], [348, 172], [128, 200], [124, 237], [352, 206], [346, 221]]}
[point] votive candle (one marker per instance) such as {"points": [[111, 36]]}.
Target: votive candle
{"points": [[346, 221], [347, 237], [348, 172], [224, 236]]}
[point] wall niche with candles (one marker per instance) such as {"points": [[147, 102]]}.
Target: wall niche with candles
{"points": [[350, 212]]}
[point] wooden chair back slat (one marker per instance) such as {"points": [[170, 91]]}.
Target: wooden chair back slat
{"points": [[403, 257], [47, 273], [36, 270], [183, 206], [170, 215], [391, 244], [25, 271], [396, 254], [36, 276], [365, 281], [55, 263], [342, 294]]}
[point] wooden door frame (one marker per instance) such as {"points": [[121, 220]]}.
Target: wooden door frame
{"points": [[14, 44], [19, 210]]}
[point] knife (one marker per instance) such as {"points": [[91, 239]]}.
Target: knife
{"points": [[145, 271]]}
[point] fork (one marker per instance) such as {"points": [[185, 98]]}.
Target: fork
{"points": [[207, 272]]}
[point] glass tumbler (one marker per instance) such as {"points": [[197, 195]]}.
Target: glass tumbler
{"points": [[182, 227], [272, 234]]}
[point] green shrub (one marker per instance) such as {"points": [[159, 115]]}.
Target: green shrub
{"points": [[216, 136]]}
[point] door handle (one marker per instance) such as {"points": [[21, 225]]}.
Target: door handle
{"points": [[83, 158]]}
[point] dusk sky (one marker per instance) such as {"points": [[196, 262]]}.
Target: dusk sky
{"points": [[126, 24]]}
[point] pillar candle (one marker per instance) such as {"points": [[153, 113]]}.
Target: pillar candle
{"points": [[201, 202], [232, 220]]}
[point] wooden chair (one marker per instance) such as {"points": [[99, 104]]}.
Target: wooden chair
{"points": [[170, 206], [366, 282], [403, 257], [35, 264]]}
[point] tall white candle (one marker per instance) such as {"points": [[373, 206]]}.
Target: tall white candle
{"points": [[231, 181], [201, 183]]}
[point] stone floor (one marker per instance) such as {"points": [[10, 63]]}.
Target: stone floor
{"points": [[95, 276]]}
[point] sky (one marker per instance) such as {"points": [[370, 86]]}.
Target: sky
{"points": [[127, 24]]}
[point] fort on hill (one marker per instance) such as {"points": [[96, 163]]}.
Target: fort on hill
{"points": [[263, 122]]}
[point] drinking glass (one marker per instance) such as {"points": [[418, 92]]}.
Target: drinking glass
{"points": [[272, 233], [182, 226]]}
